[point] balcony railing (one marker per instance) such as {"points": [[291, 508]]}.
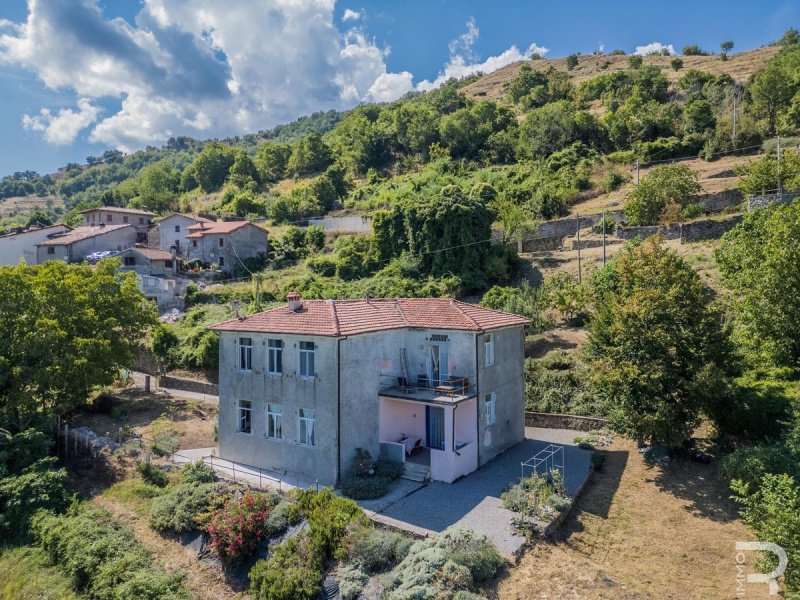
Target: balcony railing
{"points": [[451, 389]]}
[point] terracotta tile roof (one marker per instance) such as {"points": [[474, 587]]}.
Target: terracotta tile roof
{"points": [[81, 233], [131, 211], [351, 317], [195, 218], [150, 253], [217, 227]]}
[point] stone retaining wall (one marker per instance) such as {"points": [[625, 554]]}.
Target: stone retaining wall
{"points": [[765, 200], [145, 362], [721, 200], [668, 232], [563, 421], [708, 229], [188, 385]]}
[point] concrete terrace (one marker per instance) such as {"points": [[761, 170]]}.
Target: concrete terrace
{"points": [[426, 509]]}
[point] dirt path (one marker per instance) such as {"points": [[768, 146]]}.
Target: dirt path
{"points": [[203, 581], [640, 532]]}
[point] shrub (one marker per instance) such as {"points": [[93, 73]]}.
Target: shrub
{"points": [[322, 265], [571, 61], [365, 488], [456, 557], [750, 465], [351, 581], [20, 450], [375, 550], [693, 210], [598, 460], [102, 557], [151, 474], [197, 472], [40, 486], [363, 465], [389, 468], [239, 527], [292, 572], [179, 509], [612, 180], [538, 496]]}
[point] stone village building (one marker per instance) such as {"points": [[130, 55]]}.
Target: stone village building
{"points": [[430, 381]]}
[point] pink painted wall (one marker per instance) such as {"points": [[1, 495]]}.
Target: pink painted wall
{"points": [[398, 418]]}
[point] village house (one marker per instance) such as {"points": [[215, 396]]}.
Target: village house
{"points": [[225, 243], [21, 244], [172, 231], [435, 383], [114, 215], [78, 244], [149, 261]]}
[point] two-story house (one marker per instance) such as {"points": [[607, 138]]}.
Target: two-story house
{"points": [[225, 243], [431, 381], [21, 244], [78, 244], [172, 231], [115, 215]]}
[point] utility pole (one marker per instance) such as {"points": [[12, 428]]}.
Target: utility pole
{"points": [[604, 237], [637, 171], [578, 231], [734, 116], [780, 187]]}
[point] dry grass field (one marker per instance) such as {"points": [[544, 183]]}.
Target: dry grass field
{"points": [[639, 532], [739, 66]]}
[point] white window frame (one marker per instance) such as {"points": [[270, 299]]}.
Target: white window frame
{"points": [[275, 419], [274, 357], [305, 427], [488, 349], [306, 365], [242, 351], [490, 406], [245, 407]]}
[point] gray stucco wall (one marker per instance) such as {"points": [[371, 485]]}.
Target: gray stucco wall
{"points": [[246, 242], [115, 240], [163, 234], [290, 391], [506, 378], [368, 362]]}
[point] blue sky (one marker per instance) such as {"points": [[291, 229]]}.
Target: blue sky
{"points": [[80, 76]]}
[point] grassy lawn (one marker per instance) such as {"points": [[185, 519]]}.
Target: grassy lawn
{"points": [[25, 574]]}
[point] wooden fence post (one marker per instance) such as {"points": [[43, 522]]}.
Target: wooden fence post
{"points": [[66, 441]]}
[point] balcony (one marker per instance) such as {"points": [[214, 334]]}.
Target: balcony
{"points": [[452, 390]]}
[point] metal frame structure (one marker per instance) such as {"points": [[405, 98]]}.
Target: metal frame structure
{"points": [[549, 458]]}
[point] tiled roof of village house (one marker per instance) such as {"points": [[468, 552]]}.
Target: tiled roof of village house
{"points": [[350, 317], [217, 227], [197, 218], [81, 233], [151, 253], [132, 211]]}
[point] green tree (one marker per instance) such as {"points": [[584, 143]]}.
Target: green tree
{"points": [[773, 512], [698, 116], [243, 171], [676, 63], [663, 185], [271, 160], [635, 61], [692, 50], [39, 219], [157, 187], [557, 125], [466, 131], [80, 325], [164, 344], [212, 166], [772, 90], [758, 260], [724, 48], [309, 155], [656, 347], [514, 218], [571, 61], [764, 174]]}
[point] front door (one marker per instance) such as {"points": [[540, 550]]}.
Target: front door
{"points": [[439, 364], [434, 426]]}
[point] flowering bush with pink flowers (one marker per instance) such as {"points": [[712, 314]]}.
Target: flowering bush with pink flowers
{"points": [[239, 527]]}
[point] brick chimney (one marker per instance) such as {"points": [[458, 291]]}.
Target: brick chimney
{"points": [[293, 299]]}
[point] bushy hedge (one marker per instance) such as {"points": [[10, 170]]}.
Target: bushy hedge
{"points": [[239, 527], [179, 509], [375, 550], [102, 557], [39, 486], [151, 474], [457, 560]]}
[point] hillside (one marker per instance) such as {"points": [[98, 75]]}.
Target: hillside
{"points": [[740, 66]]}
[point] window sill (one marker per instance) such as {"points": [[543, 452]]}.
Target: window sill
{"points": [[244, 371], [274, 375], [247, 433], [273, 439], [307, 377], [304, 445]]}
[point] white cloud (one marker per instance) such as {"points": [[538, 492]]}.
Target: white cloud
{"points": [[464, 62], [653, 47], [352, 15], [62, 128], [209, 68]]}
